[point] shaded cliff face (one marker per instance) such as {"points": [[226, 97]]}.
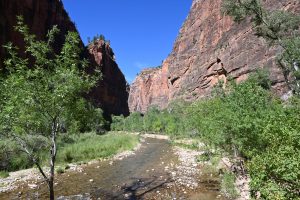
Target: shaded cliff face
{"points": [[40, 15], [111, 92], [210, 47]]}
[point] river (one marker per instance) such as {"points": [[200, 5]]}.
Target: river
{"points": [[142, 175]]}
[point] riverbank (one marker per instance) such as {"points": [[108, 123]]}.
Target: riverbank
{"points": [[233, 182], [157, 168], [86, 150]]}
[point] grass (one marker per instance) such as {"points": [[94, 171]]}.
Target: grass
{"points": [[60, 170], [89, 146], [75, 148], [193, 146], [228, 186], [188, 143], [4, 174]]}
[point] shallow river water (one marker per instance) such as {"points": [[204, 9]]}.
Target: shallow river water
{"points": [[139, 176]]}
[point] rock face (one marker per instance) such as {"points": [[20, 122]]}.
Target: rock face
{"points": [[150, 88], [111, 93], [40, 15], [210, 47]]}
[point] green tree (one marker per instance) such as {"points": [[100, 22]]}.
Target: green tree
{"points": [[37, 97], [280, 28], [134, 122], [118, 123]]}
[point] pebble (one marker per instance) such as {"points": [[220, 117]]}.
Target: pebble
{"points": [[91, 180], [32, 186]]}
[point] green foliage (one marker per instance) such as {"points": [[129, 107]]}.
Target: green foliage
{"points": [[88, 146], [278, 27], [38, 95], [169, 121], [73, 148], [251, 123], [96, 38], [134, 122], [118, 123], [274, 152], [84, 117], [245, 120], [228, 185], [60, 170], [13, 157], [261, 78], [4, 174]]}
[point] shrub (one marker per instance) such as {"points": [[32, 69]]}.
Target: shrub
{"points": [[60, 170], [228, 185], [243, 120], [4, 174]]}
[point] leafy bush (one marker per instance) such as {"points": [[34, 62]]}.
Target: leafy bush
{"points": [[60, 170], [13, 158], [169, 121], [244, 120]]}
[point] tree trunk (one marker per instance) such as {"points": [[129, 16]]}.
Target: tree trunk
{"points": [[52, 158], [51, 189], [51, 180]]}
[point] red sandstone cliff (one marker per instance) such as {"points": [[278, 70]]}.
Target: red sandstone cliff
{"points": [[40, 16], [111, 93], [210, 47], [149, 88]]}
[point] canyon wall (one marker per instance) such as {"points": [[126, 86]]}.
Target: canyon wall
{"points": [[210, 47], [40, 16], [111, 93]]}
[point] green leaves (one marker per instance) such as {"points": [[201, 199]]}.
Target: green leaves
{"points": [[280, 28], [245, 119], [47, 89], [240, 9]]}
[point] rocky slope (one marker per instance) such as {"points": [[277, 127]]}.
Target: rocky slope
{"points": [[40, 16], [210, 47]]}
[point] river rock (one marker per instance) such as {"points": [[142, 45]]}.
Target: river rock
{"points": [[76, 197], [32, 186]]}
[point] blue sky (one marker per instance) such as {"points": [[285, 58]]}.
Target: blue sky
{"points": [[142, 32]]}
